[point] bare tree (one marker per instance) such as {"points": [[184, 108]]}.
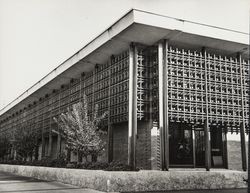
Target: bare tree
{"points": [[81, 131]]}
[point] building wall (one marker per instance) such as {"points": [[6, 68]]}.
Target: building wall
{"points": [[108, 86], [234, 152], [120, 142], [155, 148], [143, 146]]}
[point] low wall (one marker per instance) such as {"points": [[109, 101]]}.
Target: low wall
{"points": [[135, 181]]}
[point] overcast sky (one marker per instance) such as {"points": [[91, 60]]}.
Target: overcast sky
{"points": [[37, 35]]}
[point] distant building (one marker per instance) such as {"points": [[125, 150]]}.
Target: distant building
{"points": [[174, 89]]}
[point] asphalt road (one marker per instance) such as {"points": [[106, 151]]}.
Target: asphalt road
{"points": [[13, 184]]}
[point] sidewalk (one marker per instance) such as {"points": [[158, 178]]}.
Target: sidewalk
{"points": [[15, 184]]}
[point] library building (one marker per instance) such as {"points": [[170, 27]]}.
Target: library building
{"points": [[176, 92]]}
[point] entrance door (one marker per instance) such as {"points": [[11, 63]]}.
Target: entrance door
{"points": [[181, 145], [217, 147], [187, 148], [199, 147]]}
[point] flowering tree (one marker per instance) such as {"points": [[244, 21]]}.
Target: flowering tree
{"points": [[81, 132]]}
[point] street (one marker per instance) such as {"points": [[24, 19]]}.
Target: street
{"points": [[13, 183]]}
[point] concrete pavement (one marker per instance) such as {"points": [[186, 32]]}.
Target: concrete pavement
{"points": [[11, 183]]}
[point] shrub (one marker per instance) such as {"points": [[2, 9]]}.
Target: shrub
{"points": [[113, 166], [118, 166]]}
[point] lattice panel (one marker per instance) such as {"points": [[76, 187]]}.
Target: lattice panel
{"points": [[223, 100], [226, 96], [106, 85], [143, 85]]}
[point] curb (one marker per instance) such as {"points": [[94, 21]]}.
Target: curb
{"points": [[117, 181]]}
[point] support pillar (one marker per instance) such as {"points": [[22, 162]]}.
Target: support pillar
{"points": [[243, 147], [110, 128], [207, 145], [132, 114], [43, 138], [43, 145], [58, 146], [242, 125], [206, 122], [194, 149], [163, 103], [50, 144], [224, 143]]}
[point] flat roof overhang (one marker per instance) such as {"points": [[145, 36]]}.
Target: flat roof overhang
{"points": [[139, 27]]}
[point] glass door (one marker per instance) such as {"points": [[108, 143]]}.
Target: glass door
{"points": [[217, 147], [181, 145], [199, 147]]}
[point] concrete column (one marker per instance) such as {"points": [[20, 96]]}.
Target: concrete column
{"points": [[50, 144], [194, 150], [206, 123], [110, 128], [132, 114], [43, 145], [242, 126], [58, 146], [243, 147], [207, 146], [163, 103], [224, 143]]}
